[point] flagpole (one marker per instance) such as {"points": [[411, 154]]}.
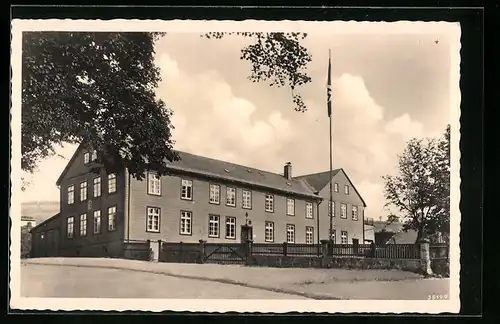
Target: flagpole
{"points": [[331, 145]]}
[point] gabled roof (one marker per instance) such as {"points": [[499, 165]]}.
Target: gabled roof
{"points": [[238, 173], [319, 180], [66, 168], [409, 237], [44, 222], [222, 170]]}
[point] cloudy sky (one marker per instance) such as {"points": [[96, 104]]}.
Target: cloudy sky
{"points": [[387, 88]]}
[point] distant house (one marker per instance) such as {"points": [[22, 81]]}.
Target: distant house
{"points": [[347, 207], [45, 238], [28, 221]]}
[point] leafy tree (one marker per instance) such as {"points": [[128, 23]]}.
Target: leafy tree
{"points": [[421, 190], [99, 89]]}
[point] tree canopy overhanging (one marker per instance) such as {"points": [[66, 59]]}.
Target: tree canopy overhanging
{"points": [[99, 89]]}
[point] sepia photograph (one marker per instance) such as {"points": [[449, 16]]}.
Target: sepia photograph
{"points": [[278, 166]]}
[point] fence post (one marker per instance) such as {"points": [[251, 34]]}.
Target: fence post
{"points": [[180, 252], [425, 258], [248, 252], [159, 251], [330, 247], [202, 250], [373, 248], [149, 255], [285, 248]]}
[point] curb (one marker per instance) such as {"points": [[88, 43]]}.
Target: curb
{"points": [[223, 281]]}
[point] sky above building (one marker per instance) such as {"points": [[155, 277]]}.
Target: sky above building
{"points": [[387, 87]]}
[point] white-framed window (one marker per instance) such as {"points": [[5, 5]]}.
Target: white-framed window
{"points": [[153, 219], [97, 187], [354, 212], [111, 218], [83, 191], [336, 187], [213, 226], [83, 224], [309, 210], [290, 206], [331, 209], [247, 199], [71, 194], [70, 227], [290, 233], [269, 203], [97, 221], [94, 156], [185, 222], [309, 235], [230, 227], [346, 189], [86, 158], [214, 194], [343, 211], [111, 183], [343, 237], [230, 196], [186, 189], [269, 233], [154, 184]]}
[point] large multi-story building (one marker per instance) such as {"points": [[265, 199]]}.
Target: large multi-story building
{"points": [[200, 199]]}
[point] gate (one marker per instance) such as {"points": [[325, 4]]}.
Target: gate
{"points": [[225, 253]]}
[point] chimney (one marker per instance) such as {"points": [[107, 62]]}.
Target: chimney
{"points": [[288, 171]]}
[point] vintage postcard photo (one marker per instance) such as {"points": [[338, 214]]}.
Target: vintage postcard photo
{"points": [[248, 166]]}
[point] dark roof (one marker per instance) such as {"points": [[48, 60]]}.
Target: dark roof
{"points": [[66, 168], [393, 227], [319, 180], [44, 222], [218, 169], [409, 237]]}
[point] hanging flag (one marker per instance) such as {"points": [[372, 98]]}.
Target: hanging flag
{"points": [[329, 87]]}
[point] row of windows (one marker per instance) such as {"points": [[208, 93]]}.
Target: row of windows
{"points": [[89, 157], [336, 188], [343, 237], [213, 230], [96, 188], [154, 188], [96, 221], [343, 211]]}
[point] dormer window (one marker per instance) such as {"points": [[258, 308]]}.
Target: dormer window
{"points": [[94, 156]]}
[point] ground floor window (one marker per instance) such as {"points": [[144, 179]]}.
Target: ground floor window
{"points": [[83, 224], [230, 227], [309, 235], [97, 222], [213, 226], [343, 237], [186, 219], [269, 235], [70, 227], [153, 223], [290, 233]]}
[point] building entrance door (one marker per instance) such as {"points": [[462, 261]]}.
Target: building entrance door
{"points": [[246, 233]]}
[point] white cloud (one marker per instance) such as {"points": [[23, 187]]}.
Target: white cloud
{"points": [[406, 127], [210, 120]]}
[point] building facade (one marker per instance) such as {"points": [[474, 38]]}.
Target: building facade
{"points": [[347, 207], [199, 199]]}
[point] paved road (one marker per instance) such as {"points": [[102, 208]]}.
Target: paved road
{"points": [[74, 282]]}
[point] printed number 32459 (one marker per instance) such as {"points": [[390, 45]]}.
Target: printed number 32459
{"points": [[437, 297]]}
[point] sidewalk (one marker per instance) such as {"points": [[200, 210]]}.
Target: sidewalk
{"points": [[311, 283]]}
